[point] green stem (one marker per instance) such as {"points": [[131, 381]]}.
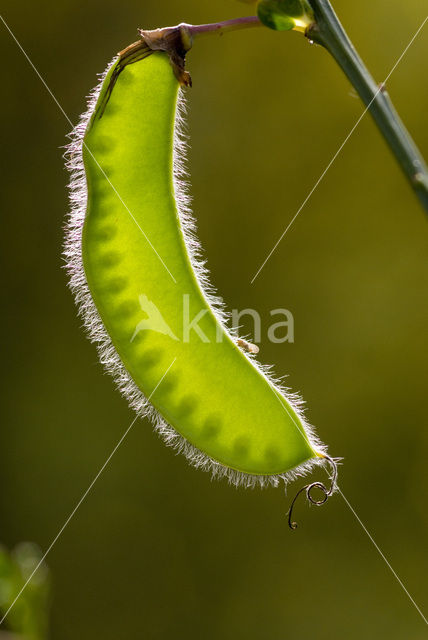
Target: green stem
{"points": [[328, 31]]}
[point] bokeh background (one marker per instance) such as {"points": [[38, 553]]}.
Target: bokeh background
{"points": [[157, 550]]}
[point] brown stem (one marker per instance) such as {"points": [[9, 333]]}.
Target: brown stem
{"points": [[176, 41], [220, 28]]}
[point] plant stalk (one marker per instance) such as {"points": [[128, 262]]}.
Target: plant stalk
{"points": [[328, 31], [178, 40], [220, 28]]}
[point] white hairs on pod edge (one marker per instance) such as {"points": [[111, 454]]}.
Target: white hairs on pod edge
{"points": [[98, 334]]}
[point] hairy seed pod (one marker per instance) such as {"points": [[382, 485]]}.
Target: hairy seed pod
{"points": [[134, 263]]}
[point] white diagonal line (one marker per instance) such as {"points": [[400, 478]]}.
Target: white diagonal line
{"points": [[379, 550], [84, 143], [82, 499], [382, 555], [338, 152]]}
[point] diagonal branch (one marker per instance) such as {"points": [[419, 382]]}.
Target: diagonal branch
{"points": [[328, 31]]}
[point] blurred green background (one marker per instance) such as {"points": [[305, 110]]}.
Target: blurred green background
{"points": [[158, 550]]}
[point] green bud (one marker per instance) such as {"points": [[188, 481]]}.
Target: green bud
{"points": [[284, 15]]}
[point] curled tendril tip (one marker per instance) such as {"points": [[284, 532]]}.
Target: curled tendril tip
{"points": [[309, 488]]}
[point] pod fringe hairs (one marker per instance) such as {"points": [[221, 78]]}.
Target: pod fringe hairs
{"points": [[98, 334]]}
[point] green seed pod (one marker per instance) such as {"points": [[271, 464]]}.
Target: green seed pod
{"points": [[134, 264]]}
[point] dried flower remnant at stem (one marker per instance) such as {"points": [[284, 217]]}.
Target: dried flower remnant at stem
{"points": [[176, 42]]}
